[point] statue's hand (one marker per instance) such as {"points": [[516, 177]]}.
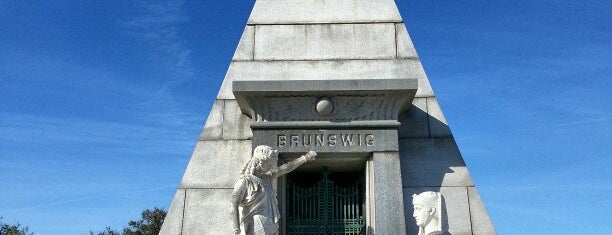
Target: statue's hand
{"points": [[310, 155]]}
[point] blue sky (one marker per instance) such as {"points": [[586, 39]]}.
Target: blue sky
{"points": [[101, 103]]}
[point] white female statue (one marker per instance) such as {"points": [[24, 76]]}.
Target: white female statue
{"points": [[428, 212], [254, 194]]}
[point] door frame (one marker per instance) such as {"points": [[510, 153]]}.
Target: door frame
{"points": [[369, 199]]}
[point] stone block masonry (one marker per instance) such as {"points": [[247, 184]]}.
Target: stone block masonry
{"points": [[325, 42], [311, 40]]}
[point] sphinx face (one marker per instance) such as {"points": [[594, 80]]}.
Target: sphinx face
{"points": [[422, 215]]}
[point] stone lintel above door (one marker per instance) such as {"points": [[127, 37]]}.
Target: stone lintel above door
{"points": [[325, 103]]}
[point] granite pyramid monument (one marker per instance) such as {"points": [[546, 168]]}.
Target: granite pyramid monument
{"points": [[342, 78]]}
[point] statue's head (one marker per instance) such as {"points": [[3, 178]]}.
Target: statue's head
{"points": [[264, 159], [427, 210]]}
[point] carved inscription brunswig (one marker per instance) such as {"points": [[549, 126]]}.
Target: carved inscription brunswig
{"points": [[323, 140]]}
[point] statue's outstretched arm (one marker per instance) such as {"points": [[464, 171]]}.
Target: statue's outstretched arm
{"points": [[292, 165]]}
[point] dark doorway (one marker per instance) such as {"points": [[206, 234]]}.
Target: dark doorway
{"points": [[325, 203]]}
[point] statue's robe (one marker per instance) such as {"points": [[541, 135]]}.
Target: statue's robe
{"points": [[259, 213]]}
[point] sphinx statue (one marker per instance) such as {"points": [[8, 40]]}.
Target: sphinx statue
{"points": [[254, 206], [428, 212]]}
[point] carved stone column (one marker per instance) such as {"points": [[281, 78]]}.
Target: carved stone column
{"points": [[388, 195]]}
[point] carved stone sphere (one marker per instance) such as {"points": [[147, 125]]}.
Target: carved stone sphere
{"points": [[325, 106]]}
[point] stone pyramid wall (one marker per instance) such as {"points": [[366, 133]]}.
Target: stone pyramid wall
{"points": [[316, 39]]}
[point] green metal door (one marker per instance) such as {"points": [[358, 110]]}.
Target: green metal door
{"points": [[322, 206]]}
